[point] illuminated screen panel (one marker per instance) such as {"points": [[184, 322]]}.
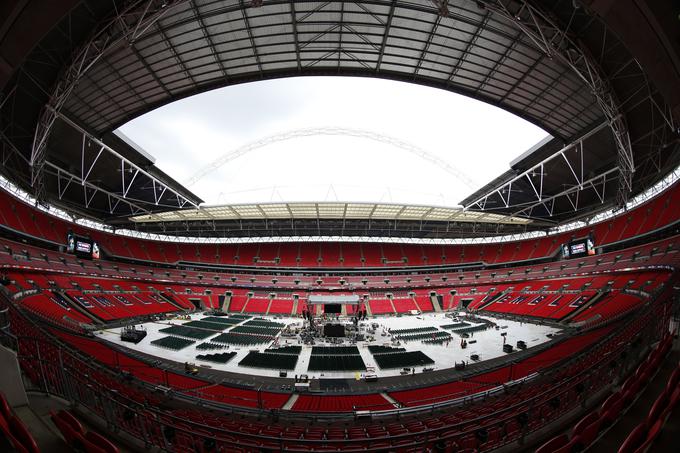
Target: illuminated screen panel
{"points": [[82, 247], [579, 248]]}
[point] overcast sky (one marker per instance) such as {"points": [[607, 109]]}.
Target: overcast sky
{"points": [[474, 138]]}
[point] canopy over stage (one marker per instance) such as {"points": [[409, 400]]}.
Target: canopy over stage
{"points": [[339, 300]]}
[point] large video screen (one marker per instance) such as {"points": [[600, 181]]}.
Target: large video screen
{"points": [[332, 308], [579, 248], [82, 247]]}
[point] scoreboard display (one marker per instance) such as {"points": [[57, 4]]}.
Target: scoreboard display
{"points": [[579, 248], [82, 247]]}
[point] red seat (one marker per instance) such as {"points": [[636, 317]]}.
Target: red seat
{"points": [[415, 427], [628, 384], [587, 432], [609, 402], [512, 427], [675, 377], [584, 423], [101, 442], [21, 433], [335, 434], [651, 436], [376, 431], [569, 447], [469, 442], [72, 437], [613, 412], [628, 396], [396, 430], [356, 433], [71, 420], [314, 434], [634, 439], [657, 409], [90, 447], [673, 401], [646, 375], [495, 435], [13, 441], [553, 444], [433, 423], [5, 410]]}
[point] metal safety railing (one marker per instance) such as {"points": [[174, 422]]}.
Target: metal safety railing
{"points": [[133, 406]]}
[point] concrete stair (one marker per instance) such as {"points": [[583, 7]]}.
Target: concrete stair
{"points": [[593, 300], [76, 306]]}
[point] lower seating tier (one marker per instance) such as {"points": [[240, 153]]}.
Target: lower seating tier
{"points": [[341, 403]]}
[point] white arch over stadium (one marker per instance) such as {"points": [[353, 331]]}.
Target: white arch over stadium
{"points": [[331, 131]]}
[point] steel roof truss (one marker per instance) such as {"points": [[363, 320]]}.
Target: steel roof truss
{"points": [[83, 173], [124, 28], [208, 39], [554, 41], [293, 21], [538, 170], [7, 144], [65, 178], [125, 166], [251, 38], [570, 193]]}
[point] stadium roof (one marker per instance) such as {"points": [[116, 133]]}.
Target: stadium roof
{"points": [[329, 210], [331, 219], [603, 78]]}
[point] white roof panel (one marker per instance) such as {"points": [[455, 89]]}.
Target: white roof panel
{"points": [[331, 210]]}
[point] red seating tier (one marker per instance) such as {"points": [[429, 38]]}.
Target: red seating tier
{"points": [[256, 305], [335, 403], [478, 383], [282, 306], [380, 306], [645, 218], [148, 373]]}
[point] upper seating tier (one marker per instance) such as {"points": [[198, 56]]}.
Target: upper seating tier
{"points": [[649, 216]]}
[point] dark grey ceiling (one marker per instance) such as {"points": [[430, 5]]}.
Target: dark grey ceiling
{"points": [[203, 44], [199, 45]]}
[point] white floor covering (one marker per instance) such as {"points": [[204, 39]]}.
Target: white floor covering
{"points": [[488, 344]]}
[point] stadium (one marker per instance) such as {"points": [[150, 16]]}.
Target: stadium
{"points": [[540, 312]]}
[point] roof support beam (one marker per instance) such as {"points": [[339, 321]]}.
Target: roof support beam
{"points": [[538, 171], [65, 178], [386, 35], [293, 21], [555, 41], [125, 166], [249, 30], [209, 40], [122, 29], [571, 193]]}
